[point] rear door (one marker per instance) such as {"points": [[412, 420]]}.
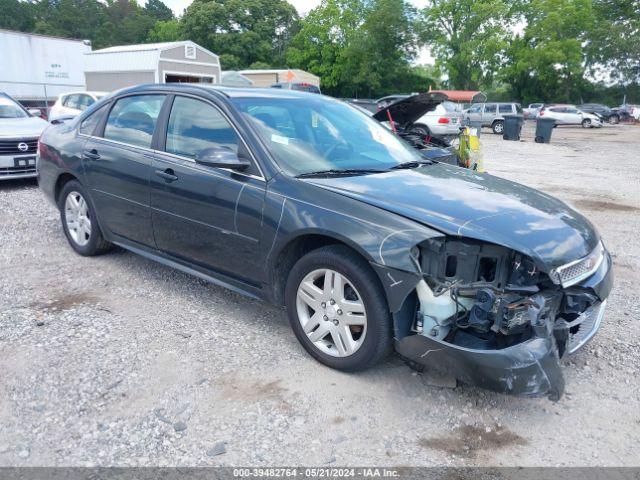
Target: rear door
{"points": [[117, 161], [205, 215], [489, 113]]}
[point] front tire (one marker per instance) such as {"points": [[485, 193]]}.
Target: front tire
{"points": [[614, 119], [586, 123], [498, 127], [337, 309], [79, 221]]}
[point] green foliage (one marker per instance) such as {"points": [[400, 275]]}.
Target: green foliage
{"points": [[358, 48], [546, 62], [248, 30], [17, 15], [467, 37], [614, 45], [166, 31]]}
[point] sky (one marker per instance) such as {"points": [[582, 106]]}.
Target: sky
{"points": [[303, 7]]}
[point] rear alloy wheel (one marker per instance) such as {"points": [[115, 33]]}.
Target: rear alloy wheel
{"points": [[586, 123], [79, 222], [498, 127], [337, 309]]}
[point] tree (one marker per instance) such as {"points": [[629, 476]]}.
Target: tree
{"points": [[249, 30], [614, 43], [325, 34], [17, 15], [468, 38], [158, 10], [166, 31], [546, 62], [356, 47]]}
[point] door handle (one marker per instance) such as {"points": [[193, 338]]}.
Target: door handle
{"points": [[91, 154], [167, 174]]}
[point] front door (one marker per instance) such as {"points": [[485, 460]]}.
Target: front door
{"points": [[205, 215], [117, 163]]}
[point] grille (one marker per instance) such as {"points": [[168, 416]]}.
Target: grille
{"points": [[8, 171], [575, 272], [10, 147], [585, 326]]}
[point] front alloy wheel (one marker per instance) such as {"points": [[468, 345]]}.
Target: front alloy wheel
{"points": [[331, 312], [586, 123], [338, 310]]}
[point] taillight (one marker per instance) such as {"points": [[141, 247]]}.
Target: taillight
{"points": [[40, 147], [444, 120]]}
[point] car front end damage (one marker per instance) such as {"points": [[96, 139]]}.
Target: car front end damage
{"points": [[494, 317]]}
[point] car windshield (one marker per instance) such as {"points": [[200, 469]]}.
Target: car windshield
{"points": [[309, 134], [10, 109]]}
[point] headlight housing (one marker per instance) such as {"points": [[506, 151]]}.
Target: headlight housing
{"points": [[576, 271]]}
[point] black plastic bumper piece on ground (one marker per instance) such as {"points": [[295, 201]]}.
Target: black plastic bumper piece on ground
{"points": [[528, 369]]}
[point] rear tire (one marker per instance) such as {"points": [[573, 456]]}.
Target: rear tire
{"points": [[320, 286], [498, 127], [79, 221]]}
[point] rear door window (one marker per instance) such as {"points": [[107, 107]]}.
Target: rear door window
{"points": [[132, 120], [505, 108], [195, 126], [490, 108]]}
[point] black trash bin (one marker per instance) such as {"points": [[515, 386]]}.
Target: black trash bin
{"points": [[512, 127], [544, 127]]}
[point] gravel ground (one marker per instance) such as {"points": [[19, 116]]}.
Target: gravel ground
{"points": [[117, 360]]}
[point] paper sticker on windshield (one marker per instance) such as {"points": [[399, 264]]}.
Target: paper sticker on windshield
{"points": [[280, 139], [314, 119]]}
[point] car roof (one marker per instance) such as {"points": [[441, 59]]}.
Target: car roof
{"points": [[229, 92]]}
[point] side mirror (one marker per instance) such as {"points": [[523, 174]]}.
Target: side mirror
{"points": [[34, 112], [60, 120], [221, 157]]}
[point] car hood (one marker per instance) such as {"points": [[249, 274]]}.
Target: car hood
{"points": [[410, 109], [461, 202], [21, 127]]}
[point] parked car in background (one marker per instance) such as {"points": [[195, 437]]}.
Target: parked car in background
{"points": [[298, 86], [491, 114], [605, 113], [626, 112], [300, 200], [443, 120], [68, 105], [19, 133], [570, 115], [532, 110]]}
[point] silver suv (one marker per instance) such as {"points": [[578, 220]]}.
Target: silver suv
{"points": [[491, 114]]}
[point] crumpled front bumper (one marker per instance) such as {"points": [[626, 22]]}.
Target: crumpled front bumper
{"points": [[531, 368]]}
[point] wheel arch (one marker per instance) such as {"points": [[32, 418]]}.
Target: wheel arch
{"points": [[295, 248], [61, 181]]}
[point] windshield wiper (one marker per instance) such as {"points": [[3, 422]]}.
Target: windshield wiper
{"points": [[335, 172], [412, 164]]}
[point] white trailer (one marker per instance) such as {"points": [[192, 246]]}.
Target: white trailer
{"points": [[37, 68]]}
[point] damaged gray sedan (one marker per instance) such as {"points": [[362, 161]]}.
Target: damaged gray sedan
{"points": [[301, 200]]}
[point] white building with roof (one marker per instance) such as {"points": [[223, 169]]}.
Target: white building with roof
{"points": [[170, 62]]}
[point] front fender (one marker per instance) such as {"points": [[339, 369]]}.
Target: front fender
{"points": [[384, 239]]}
